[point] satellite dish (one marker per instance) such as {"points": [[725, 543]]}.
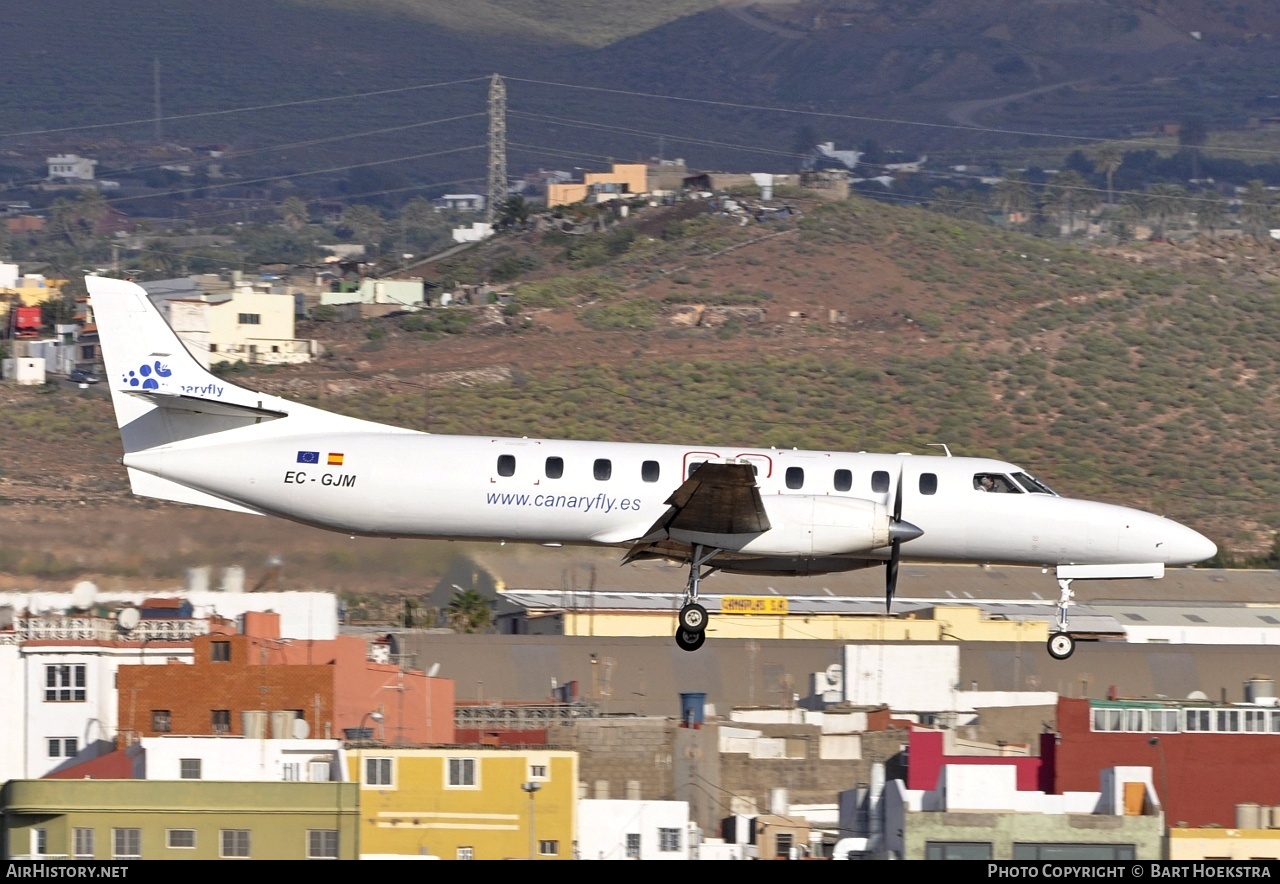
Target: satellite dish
{"points": [[301, 730], [128, 619], [434, 670], [83, 595], [1197, 695]]}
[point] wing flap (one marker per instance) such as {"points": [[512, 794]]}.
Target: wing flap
{"points": [[719, 500]]}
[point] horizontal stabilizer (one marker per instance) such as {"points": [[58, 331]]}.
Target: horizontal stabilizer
{"points": [[200, 405], [147, 485]]}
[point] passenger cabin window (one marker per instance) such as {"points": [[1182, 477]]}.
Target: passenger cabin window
{"points": [[795, 478], [693, 468], [843, 480], [928, 483], [506, 465], [880, 481], [555, 467], [995, 482], [649, 471], [603, 469]]}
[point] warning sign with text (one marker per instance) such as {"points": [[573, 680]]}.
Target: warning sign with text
{"points": [[753, 604]]}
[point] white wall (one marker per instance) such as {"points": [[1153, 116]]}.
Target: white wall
{"points": [[603, 825], [237, 758], [303, 615], [906, 678]]}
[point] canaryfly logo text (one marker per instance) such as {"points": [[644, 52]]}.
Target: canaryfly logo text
{"points": [[151, 375], [599, 503]]}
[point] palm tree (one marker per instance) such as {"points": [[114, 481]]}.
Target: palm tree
{"points": [[1255, 209], [366, 223], [1068, 193], [1211, 211], [1013, 194], [294, 213], [1107, 159], [469, 611], [1165, 203]]}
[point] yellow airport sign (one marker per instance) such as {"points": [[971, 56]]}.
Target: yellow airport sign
{"points": [[753, 604]]}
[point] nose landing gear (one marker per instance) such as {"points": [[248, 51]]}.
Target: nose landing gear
{"points": [[1061, 643]]}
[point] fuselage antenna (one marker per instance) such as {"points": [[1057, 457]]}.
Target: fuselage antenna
{"points": [[942, 445]]}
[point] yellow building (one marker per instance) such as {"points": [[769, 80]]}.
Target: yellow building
{"points": [[941, 623], [1224, 844], [623, 178], [466, 803]]}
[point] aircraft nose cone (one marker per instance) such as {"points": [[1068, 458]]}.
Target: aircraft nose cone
{"points": [[1190, 547]]}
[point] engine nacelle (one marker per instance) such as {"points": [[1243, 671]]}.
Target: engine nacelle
{"points": [[809, 525]]}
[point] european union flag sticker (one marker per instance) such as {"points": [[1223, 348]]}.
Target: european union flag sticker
{"points": [[308, 457]]}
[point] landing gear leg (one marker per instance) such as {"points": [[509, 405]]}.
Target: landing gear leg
{"points": [[692, 619], [1061, 643]]}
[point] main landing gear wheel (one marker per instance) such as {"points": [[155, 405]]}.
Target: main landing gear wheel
{"points": [[690, 641], [1061, 645], [693, 618]]}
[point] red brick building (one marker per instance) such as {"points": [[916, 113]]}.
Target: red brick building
{"points": [[331, 685], [1205, 757]]}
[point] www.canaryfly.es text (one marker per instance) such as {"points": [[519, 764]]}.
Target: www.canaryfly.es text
{"points": [[600, 503]]}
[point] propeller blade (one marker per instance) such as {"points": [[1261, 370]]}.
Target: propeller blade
{"points": [[891, 576], [897, 499]]}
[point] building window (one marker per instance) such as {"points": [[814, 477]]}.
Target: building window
{"points": [[555, 467], [318, 772], [668, 840], [291, 771], [603, 469], [649, 471], [843, 480], [548, 848], [64, 683], [82, 843], [322, 844], [1198, 719], [40, 841], [466, 853], [537, 771], [126, 843], [506, 465], [462, 772], [250, 319], [220, 652], [221, 721], [1073, 852], [180, 839], [190, 768], [880, 481], [377, 772], [782, 845], [633, 845], [160, 721], [63, 747], [957, 850], [235, 843]]}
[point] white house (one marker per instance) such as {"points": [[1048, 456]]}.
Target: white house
{"points": [[238, 758], [69, 167], [58, 664], [624, 829]]}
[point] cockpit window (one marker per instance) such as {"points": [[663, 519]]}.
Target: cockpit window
{"points": [[1035, 486], [995, 482]]}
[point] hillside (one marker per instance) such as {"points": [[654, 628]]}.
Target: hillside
{"points": [[1147, 376], [1076, 67]]}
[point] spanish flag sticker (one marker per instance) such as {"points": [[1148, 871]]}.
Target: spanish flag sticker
{"points": [[335, 460]]}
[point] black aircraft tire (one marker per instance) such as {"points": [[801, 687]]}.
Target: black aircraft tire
{"points": [[693, 618], [690, 641], [1061, 646]]}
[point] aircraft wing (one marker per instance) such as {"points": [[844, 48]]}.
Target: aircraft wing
{"points": [[718, 502]]}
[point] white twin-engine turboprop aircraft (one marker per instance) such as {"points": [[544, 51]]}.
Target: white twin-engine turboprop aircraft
{"points": [[195, 438]]}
